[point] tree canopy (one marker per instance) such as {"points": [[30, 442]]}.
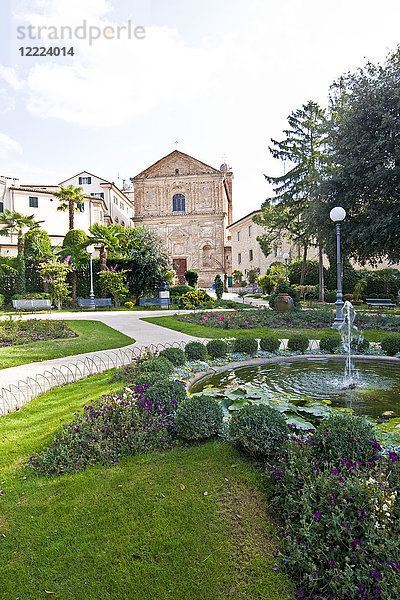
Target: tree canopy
{"points": [[365, 180]]}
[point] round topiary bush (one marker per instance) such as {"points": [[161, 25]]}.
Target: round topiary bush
{"points": [[270, 343], [344, 437], [360, 345], [330, 343], [217, 348], [158, 364], [164, 397], [198, 418], [146, 380], [298, 342], [245, 346], [258, 429], [391, 344], [195, 351], [175, 355]]}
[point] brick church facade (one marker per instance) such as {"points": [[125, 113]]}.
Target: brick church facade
{"points": [[189, 205]]}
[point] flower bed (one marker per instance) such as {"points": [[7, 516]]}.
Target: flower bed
{"points": [[13, 333], [340, 518], [335, 488], [308, 319]]}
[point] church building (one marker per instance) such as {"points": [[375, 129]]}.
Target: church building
{"points": [[189, 205]]}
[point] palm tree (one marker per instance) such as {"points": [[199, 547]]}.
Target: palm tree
{"points": [[15, 222], [70, 198], [107, 237]]}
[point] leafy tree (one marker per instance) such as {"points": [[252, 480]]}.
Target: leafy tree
{"points": [[366, 151], [252, 276], [37, 245], [219, 286], [114, 282], [70, 198], [237, 276], [192, 278], [107, 237], [18, 224], [74, 246], [54, 273], [148, 262], [288, 213]]}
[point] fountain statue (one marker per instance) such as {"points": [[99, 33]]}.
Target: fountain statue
{"points": [[351, 336]]}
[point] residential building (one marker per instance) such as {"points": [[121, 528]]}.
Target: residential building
{"points": [[40, 202]]}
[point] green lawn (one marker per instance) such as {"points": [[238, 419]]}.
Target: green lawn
{"points": [[372, 335], [92, 336], [129, 531]]}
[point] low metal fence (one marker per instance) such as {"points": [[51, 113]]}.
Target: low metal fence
{"points": [[14, 396]]}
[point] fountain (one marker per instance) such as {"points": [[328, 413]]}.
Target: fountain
{"points": [[350, 334]]}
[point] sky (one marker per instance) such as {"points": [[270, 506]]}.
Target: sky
{"points": [[220, 77]]}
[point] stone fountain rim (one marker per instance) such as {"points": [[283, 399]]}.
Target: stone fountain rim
{"points": [[297, 357]]}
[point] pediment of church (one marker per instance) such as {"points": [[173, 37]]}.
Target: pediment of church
{"points": [[176, 163]]}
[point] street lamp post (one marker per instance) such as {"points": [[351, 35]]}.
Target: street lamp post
{"points": [[90, 250], [286, 256], [338, 215]]}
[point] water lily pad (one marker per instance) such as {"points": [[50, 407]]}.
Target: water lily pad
{"points": [[238, 405], [299, 422], [316, 408]]}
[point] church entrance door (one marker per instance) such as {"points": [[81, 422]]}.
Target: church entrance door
{"points": [[180, 266]]}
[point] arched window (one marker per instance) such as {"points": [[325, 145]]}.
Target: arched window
{"points": [[178, 203]]}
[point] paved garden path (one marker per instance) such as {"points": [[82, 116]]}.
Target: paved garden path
{"points": [[126, 322]]}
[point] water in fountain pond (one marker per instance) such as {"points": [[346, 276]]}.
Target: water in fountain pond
{"points": [[351, 336]]}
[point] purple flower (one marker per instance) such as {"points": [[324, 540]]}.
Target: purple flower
{"points": [[375, 574], [393, 456], [317, 516]]}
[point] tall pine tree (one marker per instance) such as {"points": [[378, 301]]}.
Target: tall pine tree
{"points": [[289, 213]]}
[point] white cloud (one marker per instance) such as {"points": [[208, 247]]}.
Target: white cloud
{"points": [[8, 147]]}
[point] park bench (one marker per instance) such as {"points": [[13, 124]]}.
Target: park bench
{"points": [[32, 305], [96, 302], [155, 302], [380, 303]]}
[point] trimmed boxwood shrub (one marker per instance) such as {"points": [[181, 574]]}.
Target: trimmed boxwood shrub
{"points": [[298, 342], [258, 429], [217, 348], [126, 373], [198, 418], [157, 364], [148, 379], [330, 343], [164, 397], [360, 345], [175, 355], [195, 351], [270, 343], [176, 291], [245, 346], [330, 296], [391, 344], [344, 437]]}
